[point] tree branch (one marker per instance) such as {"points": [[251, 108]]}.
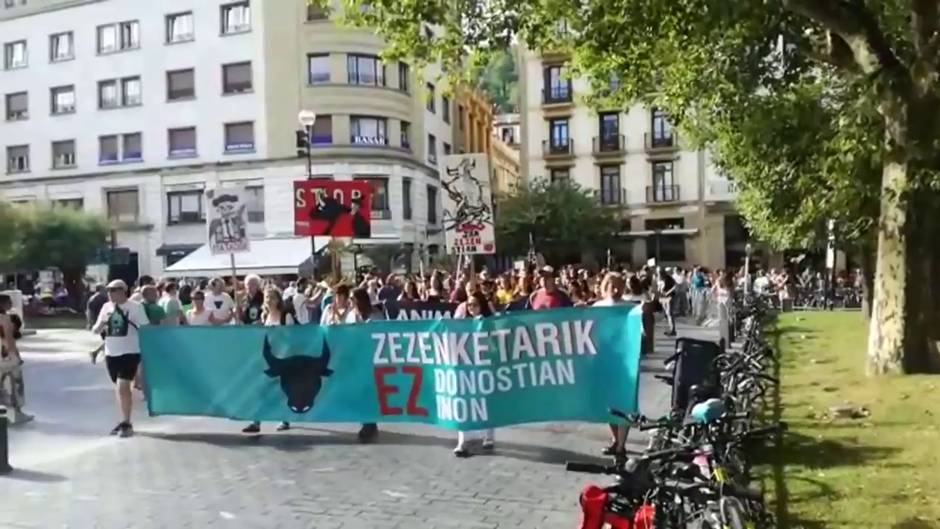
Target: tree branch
{"points": [[860, 31]]}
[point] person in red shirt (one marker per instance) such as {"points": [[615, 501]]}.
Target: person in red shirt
{"points": [[548, 296]]}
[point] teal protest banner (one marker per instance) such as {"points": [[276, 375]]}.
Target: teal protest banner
{"points": [[558, 365]]}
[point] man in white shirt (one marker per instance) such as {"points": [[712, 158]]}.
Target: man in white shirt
{"points": [[119, 320], [220, 305], [301, 312]]}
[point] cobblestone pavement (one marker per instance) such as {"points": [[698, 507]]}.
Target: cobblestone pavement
{"points": [[202, 473]]}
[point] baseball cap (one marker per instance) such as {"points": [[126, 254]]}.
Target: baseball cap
{"points": [[117, 284], [547, 271]]}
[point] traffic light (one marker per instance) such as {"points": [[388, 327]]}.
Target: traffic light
{"points": [[302, 143]]}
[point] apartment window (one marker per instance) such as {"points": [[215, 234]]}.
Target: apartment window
{"points": [[404, 76], [255, 201], [77, 204], [406, 135], [116, 148], [61, 47], [18, 159], [557, 87], [406, 198], [559, 138], [14, 55], [560, 176], [179, 27], [662, 130], [130, 91], [17, 106], [447, 148], [185, 207], [432, 205], [322, 133], [62, 99], [236, 18], [318, 68], [239, 137], [123, 205], [63, 154], [609, 126], [445, 108], [114, 93], [315, 12], [380, 203], [368, 130], [460, 117], [432, 149], [430, 104], [365, 70], [119, 37], [610, 184], [182, 142], [236, 78], [663, 189], [180, 84]]}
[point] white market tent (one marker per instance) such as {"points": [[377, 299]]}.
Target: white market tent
{"points": [[268, 256]]}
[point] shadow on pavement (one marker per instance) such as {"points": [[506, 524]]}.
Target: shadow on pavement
{"points": [[296, 441], [34, 476]]}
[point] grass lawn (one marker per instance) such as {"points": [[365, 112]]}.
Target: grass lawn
{"points": [[882, 471]]}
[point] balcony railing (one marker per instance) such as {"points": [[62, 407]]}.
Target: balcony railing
{"points": [[556, 94], [556, 149], [611, 197], [609, 144], [661, 142], [720, 189], [662, 194]]}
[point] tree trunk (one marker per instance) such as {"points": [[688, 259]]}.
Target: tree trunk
{"points": [[899, 339]]}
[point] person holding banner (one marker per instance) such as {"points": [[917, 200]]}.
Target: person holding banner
{"points": [[273, 314], [198, 315], [612, 291], [340, 310], [367, 312], [549, 296], [477, 308], [410, 293]]}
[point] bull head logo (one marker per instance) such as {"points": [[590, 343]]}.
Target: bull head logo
{"points": [[300, 376]]}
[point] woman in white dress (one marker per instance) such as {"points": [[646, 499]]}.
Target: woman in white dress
{"points": [[477, 308], [273, 314]]}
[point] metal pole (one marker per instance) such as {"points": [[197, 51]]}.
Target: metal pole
{"points": [[308, 129], [5, 467]]}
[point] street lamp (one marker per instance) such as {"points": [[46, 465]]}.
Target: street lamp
{"points": [[307, 118]]}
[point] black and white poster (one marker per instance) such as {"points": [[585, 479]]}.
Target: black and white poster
{"points": [[228, 220], [468, 204]]}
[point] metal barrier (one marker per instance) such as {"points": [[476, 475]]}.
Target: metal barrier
{"points": [[5, 467]]}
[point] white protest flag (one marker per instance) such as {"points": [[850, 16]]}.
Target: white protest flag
{"points": [[228, 220], [468, 204]]}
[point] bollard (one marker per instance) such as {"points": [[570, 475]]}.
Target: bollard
{"points": [[5, 467]]}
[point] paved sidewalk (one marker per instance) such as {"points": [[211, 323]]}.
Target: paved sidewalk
{"points": [[202, 473]]}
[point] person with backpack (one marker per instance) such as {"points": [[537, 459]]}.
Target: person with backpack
{"points": [[367, 312], [273, 314], [119, 320]]}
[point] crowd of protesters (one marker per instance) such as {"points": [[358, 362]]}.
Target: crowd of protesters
{"points": [[116, 311]]}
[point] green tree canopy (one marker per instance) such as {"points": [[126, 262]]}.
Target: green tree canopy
{"points": [[562, 219], [51, 237], [819, 109], [499, 80]]}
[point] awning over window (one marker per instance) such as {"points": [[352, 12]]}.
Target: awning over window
{"points": [[276, 255]]}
